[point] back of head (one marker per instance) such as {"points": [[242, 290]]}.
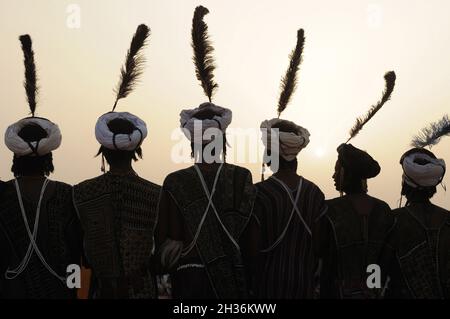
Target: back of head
{"points": [[32, 164], [120, 126], [353, 168]]}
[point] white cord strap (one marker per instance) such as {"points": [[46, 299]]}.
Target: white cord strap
{"points": [[209, 195], [294, 202], [188, 248], [12, 274], [294, 206]]}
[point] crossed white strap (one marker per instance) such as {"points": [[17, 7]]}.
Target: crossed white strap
{"points": [[294, 210], [209, 195], [12, 274]]}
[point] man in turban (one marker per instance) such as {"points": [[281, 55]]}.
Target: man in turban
{"points": [[417, 255], [118, 213], [354, 229], [40, 235], [118, 209], [203, 212], [288, 208]]}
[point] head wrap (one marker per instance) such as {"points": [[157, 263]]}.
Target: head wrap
{"points": [[357, 162], [189, 123], [120, 142], [421, 168], [290, 144], [41, 147]]}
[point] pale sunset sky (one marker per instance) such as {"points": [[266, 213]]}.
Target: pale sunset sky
{"points": [[80, 46]]}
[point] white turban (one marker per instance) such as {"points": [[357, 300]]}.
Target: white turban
{"points": [[120, 142], [418, 175], [189, 122], [42, 147], [290, 144]]}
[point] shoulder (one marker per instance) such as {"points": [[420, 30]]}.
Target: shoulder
{"points": [[152, 185], [61, 189], [90, 188], [381, 204], [8, 193], [265, 184], [90, 181], [312, 187], [237, 169], [400, 212], [7, 186], [62, 185], [441, 210], [335, 201], [149, 186], [337, 208], [175, 176], [268, 189]]}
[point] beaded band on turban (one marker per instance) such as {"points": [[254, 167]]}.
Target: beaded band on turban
{"points": [[189, 122], [290, 144], [120, 142], [20, 147]]}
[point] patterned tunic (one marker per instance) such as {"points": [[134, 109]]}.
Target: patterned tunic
{"points": [[287, 269], [417, 256], [350, 241], [118, 217], [222, 274], [58, 239]]}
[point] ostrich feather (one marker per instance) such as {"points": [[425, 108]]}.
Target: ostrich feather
{"points": [[289, 81], [30, 82], [390, 78], [203, 53], [132, 70]]}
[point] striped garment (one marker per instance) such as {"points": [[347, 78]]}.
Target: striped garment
{"points": [[286, 270]]}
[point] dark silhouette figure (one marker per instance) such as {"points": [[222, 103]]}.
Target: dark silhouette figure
{"points": [[288, 209], [118, 215], [354, 229], [417, 257], [40, 234], [118, 209], [203, 212], [39, 273]]}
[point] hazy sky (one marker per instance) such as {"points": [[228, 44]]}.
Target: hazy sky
{"points": [[350, 44]]}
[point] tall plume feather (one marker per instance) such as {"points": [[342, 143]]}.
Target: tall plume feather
{"points": [[132, 70], [203, 53], [289, 81], [432, 134], [30, 82], [389, 77]]}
